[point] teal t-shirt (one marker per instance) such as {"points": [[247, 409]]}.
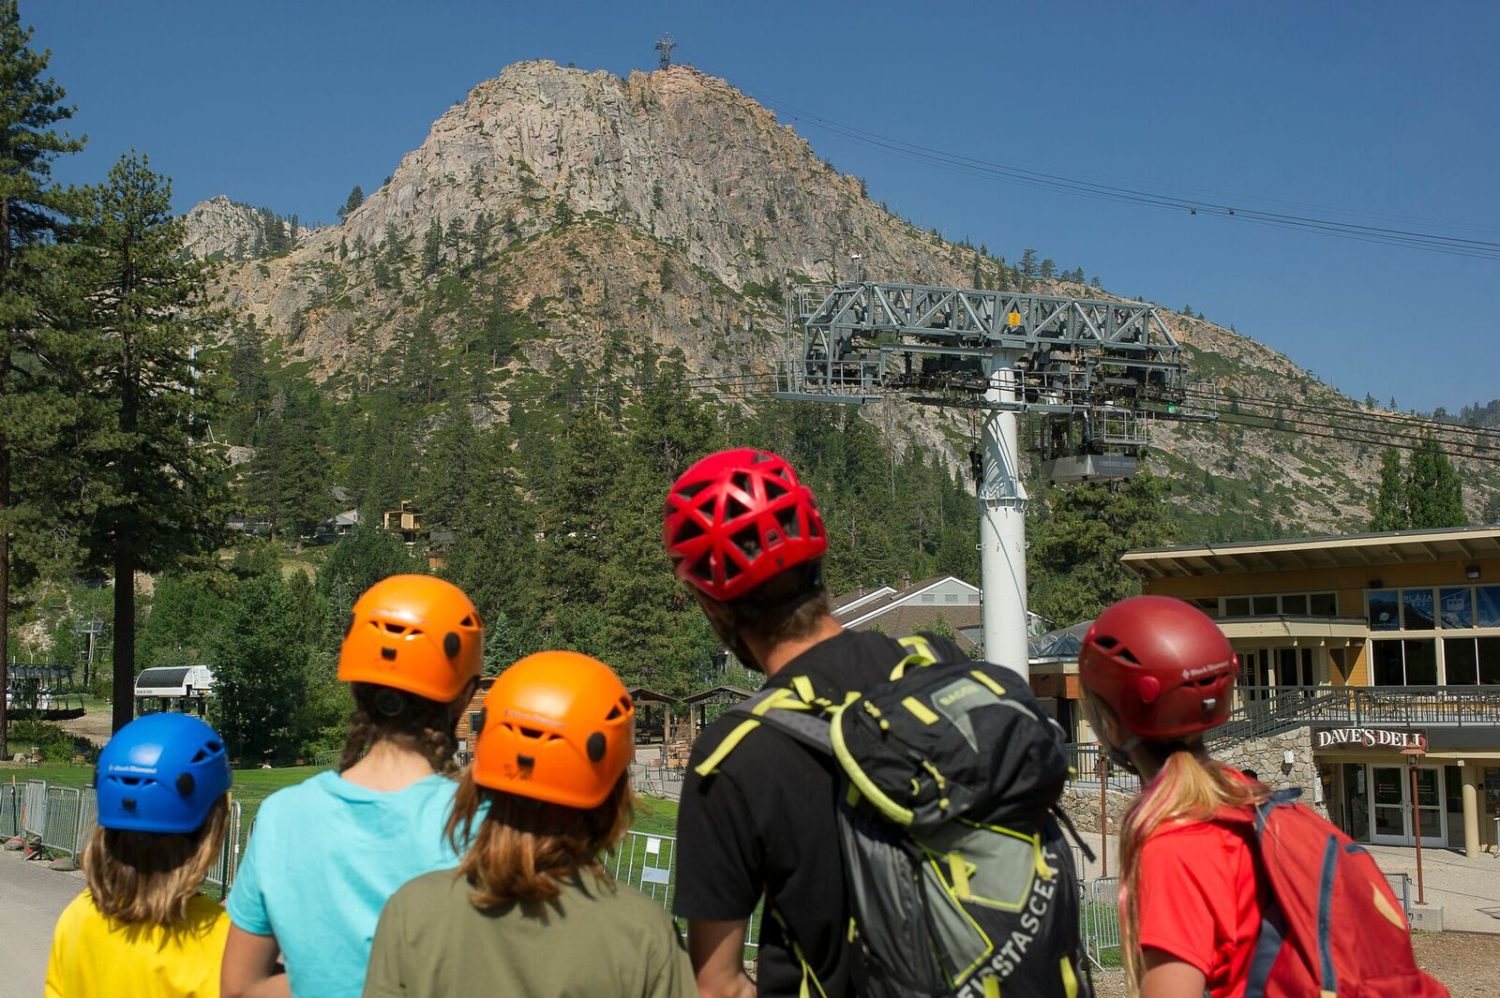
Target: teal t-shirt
{"points": [[323, 859]]}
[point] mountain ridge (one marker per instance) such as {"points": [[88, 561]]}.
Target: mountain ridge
{"points": [[671, 208]]}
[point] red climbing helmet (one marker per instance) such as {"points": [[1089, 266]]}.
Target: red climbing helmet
{"points": [[737, 519], [1162, 665]]}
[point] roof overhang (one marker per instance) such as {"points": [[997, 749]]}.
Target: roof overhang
{"points": [[1323, 630], [1340, 551]]}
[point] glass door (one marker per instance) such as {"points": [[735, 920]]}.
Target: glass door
{"points": [[1392, 805]]}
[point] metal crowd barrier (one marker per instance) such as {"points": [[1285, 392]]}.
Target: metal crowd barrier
{"points": [[1100, 917], [1400, 884], [10, 810], [647, 863], [64, 811], [221, 873], [34, 809], [88, 820]]}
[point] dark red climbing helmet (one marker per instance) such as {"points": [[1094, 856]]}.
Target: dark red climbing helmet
{"points": [[737, 519], [1162, 665]]}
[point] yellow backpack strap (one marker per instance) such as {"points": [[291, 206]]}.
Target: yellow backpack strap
{"points": [[710, 765], [810, 984], [777, 698], [919, 655]]}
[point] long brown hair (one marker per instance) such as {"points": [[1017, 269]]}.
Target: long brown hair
{"points": [[149, 877], [382, 713], [1189, 786], [522, 848]]}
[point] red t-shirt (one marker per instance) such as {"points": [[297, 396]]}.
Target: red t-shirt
{"points": [[1198, 901]]}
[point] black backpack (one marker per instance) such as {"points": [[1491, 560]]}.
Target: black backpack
{"points": [[960, 880]]}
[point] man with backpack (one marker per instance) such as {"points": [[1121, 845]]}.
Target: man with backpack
{"points": [[887, 865]]}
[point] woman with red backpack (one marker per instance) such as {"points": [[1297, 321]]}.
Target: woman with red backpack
{"points": [[1228, 889]]}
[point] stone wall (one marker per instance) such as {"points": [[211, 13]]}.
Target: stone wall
{"points": [[1080, 801]]}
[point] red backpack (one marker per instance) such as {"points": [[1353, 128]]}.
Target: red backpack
{"points": [[1332, 927]]}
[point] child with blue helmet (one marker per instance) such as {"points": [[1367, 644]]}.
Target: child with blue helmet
{"points": [[142, 926]]}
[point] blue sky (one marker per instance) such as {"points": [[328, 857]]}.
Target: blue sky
{"points": [[1376, 113]]}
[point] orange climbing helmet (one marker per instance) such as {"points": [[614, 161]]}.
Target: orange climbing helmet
{"points": [[415, 633], [558, 727]]}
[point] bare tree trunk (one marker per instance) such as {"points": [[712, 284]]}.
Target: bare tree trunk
{"points": [[4, 603], [122, 655]]}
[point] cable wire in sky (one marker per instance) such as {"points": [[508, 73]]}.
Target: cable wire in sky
{"points": [[1435, 242]]}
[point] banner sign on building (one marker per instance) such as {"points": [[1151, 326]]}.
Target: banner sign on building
{"points": [[1370, 738]]}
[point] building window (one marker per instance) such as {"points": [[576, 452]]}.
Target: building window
{"points": [[1294, 604], [1263, 606], [1416, 609], [1457, 607], [1404, 663], [950, 597], [1487, 606], [1381, 610], [1237, 606], [1472, 660], [1323, 604]]}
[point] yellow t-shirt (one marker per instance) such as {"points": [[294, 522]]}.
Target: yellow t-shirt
{"points": [[94, 955]]}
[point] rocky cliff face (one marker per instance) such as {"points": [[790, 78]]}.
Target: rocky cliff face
{"points": [[670, 207], [221, 229]]}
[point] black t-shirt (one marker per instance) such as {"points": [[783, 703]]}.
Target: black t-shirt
{"points": [[765, 822]]}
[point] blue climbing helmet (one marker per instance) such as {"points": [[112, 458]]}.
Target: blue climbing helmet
{"points": [[161, 773]]}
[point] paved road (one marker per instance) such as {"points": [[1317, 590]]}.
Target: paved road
{"points": [[31, 898]]}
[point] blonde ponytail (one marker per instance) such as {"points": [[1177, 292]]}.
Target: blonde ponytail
{"points": [[1190, 786]]}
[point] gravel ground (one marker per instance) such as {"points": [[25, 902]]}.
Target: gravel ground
{"points": [[1468, 963]]}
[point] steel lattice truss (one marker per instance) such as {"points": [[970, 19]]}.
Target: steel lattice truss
{"points": [[861, 341]]}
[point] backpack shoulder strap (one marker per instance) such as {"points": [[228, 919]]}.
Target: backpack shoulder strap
{"points": [[796, 711]]}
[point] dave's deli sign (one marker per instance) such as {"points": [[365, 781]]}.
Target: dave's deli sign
{"points": [[1370, 738]]}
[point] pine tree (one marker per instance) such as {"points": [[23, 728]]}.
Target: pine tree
{"points": [[1028, 263], [156, 493], [432, 249], [36, 410], [1433, 489], [1048, 269], [354, 200], [260, 661]]}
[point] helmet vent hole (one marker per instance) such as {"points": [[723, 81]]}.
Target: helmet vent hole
{"points": [[395, 628], [748, 541], [734, 509], [131, 781], [814, 529], [200, 755], [536, 733], [702, 569], [185, 784], [596, 746], [525, 761], [691, 490], [214, 746], [452, 645], [467, 621], [774, 489], [788, 520], [688, 530], [389, 654], [741, 480], [730, 569], [615, 713], [1106, 642]]}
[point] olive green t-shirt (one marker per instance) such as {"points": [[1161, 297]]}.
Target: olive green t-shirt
{"points": [[593, 940]]}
